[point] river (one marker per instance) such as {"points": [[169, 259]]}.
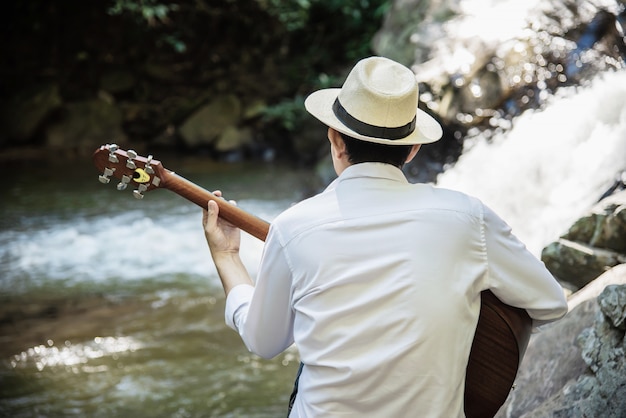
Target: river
{"points": [[111, 306]]}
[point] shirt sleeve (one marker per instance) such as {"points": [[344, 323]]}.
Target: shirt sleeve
{"points": [[517, 277], [237, 304], [262, 315]]}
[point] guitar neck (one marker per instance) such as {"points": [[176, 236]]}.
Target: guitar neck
{"points": [[240, 218]]}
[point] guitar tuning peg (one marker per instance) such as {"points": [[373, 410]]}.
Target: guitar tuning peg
{"points": [[123, 183], [131, 156], [105, 177], [112, 157], [148, 167], [139, 192]]}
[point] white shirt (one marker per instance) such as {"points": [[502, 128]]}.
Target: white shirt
{"points": [[378, 283]]}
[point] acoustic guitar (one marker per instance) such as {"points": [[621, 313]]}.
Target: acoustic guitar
{"points": [[502, 333]]}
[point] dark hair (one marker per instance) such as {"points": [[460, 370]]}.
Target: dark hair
{"points": [[364, 152]]}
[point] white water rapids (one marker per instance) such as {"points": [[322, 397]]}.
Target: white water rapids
{"points": [[553, 165]]}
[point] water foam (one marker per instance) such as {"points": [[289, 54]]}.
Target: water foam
{"points": [[553, 165], [131, 245]]}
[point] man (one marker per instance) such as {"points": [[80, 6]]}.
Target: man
{"points": [[376, 280]]}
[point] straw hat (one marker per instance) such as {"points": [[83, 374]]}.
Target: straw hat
{"points": [[377, 103]]}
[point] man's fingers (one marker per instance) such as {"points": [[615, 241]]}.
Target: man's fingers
{"points": [[218, 193], [209, 215], [213, 209]]}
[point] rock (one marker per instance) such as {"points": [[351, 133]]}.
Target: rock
{"points": [[604, 226], [576, 367], [616, 275], [594, 243], [254, 109], [603, 392], [233, 139], [86, 125], [210, 121], [575, 264], [116, 82], [22, 115], [161, 72], [613, 305]]}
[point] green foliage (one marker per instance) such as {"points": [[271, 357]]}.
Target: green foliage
{"points": [[175, 42], [293, 14], [287, 114], [322, 36], [154, 13], [151, 11], [355, 20], [178, 51]]}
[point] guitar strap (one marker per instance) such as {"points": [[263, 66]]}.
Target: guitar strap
{"points": [[292, 398]]}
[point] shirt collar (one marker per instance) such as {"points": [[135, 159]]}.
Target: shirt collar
{"points": [[371, 170]]}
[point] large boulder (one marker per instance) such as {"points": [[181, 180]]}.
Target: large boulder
{"points": [[604, 226], [85, 125], [22, 115], [210, 121], [594, 243]]}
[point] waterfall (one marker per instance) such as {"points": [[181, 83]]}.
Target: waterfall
{"points": [[553, 164]]}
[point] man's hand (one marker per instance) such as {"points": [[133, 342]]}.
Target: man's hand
{"points": [[224, 240], [221, 235]]}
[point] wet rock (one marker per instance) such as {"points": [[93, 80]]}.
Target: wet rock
{"points": [[604, 226], [575, 264], [594, 243]]}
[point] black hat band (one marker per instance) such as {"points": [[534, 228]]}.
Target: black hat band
{"points": [[373, 131]]}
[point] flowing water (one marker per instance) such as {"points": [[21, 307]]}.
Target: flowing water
{"points": [[554, 164], [111, 306]]}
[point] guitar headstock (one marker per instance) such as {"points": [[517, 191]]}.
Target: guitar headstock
{"points": [[143, 173]]}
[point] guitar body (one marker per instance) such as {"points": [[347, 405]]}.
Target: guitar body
{"points": [[499, 345], [502, 332]]}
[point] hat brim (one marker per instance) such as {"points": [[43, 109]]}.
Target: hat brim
{"points": [[320, 103]]}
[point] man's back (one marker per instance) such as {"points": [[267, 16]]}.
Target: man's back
{"points": [[386, 283]]}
